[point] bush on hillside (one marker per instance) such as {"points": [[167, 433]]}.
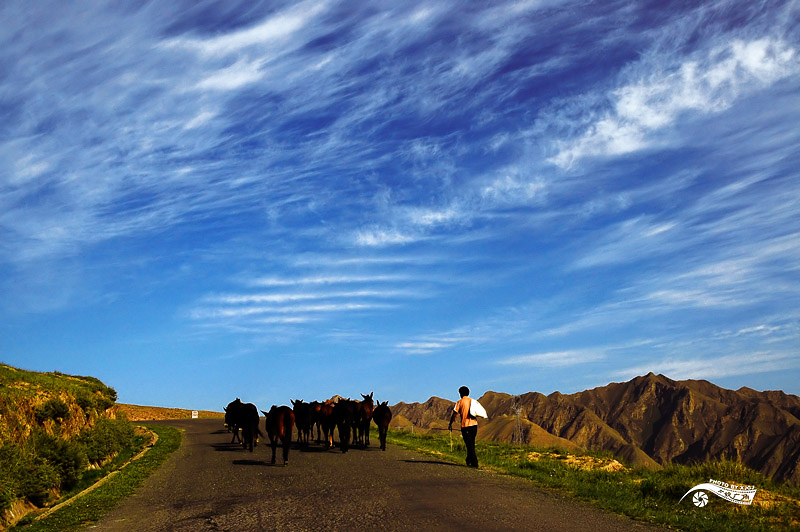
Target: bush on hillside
{"points": [[54, 409], [106, 439], [45, 462], [67, 457], [95, 402], [22, 475]]}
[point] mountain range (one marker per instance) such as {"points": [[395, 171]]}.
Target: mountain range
{"points": [[648, 421]]}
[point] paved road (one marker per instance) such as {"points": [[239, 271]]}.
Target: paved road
{"points": [[209, 484]]}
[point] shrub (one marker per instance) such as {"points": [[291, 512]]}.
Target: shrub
{"points": [[85, 400], [106, 438], [8, 484], [54, 409], [68, 458], [36, 481], [22, 475]]}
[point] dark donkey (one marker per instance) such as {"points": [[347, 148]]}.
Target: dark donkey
{"points": [[316, 419], [244, 416], [382, 415], [303, 420], [280, 421], [344, 412], [363, 418], [231, 412], [327, 420]]}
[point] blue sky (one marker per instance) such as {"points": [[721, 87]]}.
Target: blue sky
{"points": [[200, 201]]}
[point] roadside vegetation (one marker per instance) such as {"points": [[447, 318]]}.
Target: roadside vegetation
{"points": [[56, 439], [46, 467], [92, 506], [646, 495]]}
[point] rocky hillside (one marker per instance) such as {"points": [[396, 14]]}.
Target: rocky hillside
{"points": [[55, 402], [650, 421], [53, 429]]}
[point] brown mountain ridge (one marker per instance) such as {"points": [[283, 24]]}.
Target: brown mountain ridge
{"points": [[648, 421]]}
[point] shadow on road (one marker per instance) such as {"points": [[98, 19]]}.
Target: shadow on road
{"points": [[314, 449], [227, 447], [253, 462], [434, 462]]}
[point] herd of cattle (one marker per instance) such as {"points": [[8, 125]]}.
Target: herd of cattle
{"points": [[348, 416]]}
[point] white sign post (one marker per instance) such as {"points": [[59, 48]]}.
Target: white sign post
{"points": [[195, 414]]}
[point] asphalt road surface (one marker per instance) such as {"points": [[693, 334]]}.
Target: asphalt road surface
{"points": [[209, 484]]}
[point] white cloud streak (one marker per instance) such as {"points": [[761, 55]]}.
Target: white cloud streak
{"points": [[328, 280], [706, 84], [329, 127], [556, 359], [716, 367]]}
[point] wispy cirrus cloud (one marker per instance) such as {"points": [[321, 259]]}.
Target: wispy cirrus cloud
{"points": [[304, 296], [716, 367], [239, 311], [328, 279], [426, 347], [379, 237], [329, 297], [267, 34], [706, 84], [556, 359], [539, 183]]}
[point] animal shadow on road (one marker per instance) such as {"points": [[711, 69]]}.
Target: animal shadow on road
{"points": [[434, 462], [315, 449], [227, 447], [253, 463]]}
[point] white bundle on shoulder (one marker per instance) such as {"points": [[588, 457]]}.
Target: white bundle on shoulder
{"points": [[477, 410]]}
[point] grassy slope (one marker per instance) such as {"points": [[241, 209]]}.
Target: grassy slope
{"points": [[25, 395]]}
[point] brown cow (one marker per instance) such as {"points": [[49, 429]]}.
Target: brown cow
{"points": [[280, 421]]}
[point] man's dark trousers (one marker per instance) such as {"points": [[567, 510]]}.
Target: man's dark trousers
{"points": [[469, 434]]}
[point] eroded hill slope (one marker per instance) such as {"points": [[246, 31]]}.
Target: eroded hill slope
{"points": [[650, 421]]}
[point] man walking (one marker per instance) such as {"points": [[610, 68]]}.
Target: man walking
{"points": [[469, 424]]}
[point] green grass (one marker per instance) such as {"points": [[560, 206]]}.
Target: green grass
{"points": [[95, 504], [90, 391], [641, 494]]}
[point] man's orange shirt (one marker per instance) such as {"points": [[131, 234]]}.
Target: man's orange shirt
{"points": [[462, 407]]}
